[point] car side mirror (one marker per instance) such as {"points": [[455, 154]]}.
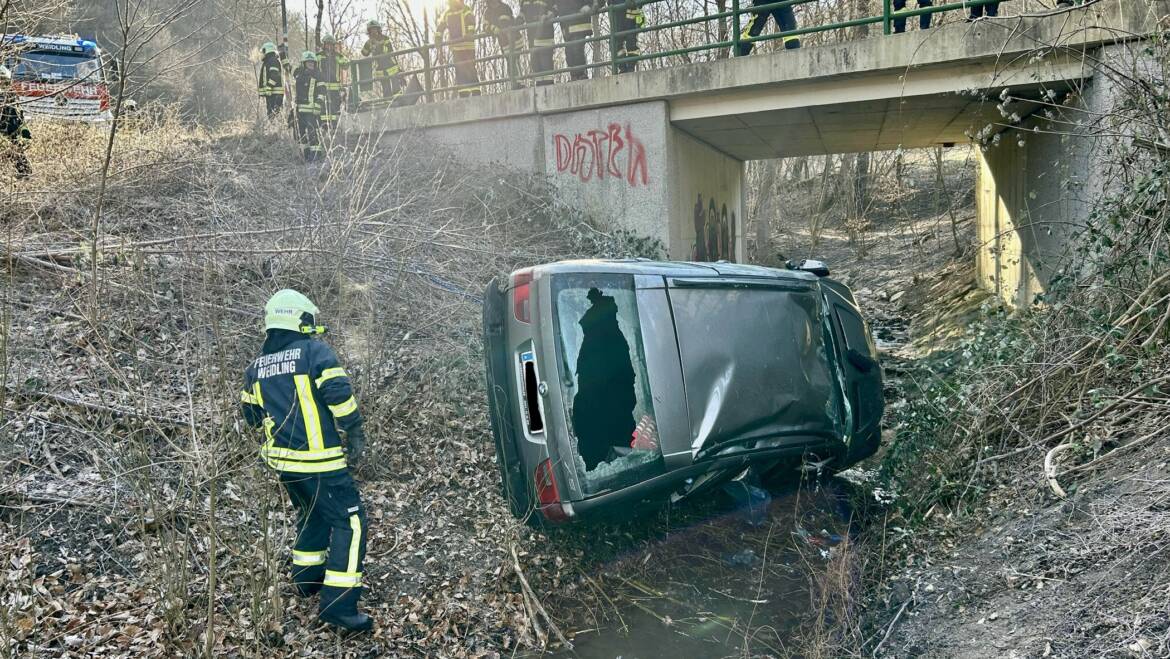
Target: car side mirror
{"points": [[817, 268]]}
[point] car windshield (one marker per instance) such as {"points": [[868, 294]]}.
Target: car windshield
{"points": [[44, 65], [756, 368], [613, 431]]}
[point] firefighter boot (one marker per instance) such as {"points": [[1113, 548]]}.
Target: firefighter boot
{"points": [[342, 611]]}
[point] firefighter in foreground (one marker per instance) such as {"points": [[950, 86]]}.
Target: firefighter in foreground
{"points": [[12, 127], [299, 393], [458, 23], [331, 65], [271, 85], [310, 97]]}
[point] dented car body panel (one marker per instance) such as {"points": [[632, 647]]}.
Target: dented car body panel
{"points": [[613, 384]]}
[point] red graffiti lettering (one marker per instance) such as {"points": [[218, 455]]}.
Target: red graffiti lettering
{"points": [[597, 154]]}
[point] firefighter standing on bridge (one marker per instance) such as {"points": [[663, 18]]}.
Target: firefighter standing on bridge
{"points": [[310, 97], [12, 127], [538, 14], [332, 73], [385, 68], [625, 15], [299, 393], [499, 20], [785, 20], [271, 84], [458, 23], [576, 26]]}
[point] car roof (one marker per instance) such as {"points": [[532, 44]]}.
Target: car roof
{"points": [[668, 269]]}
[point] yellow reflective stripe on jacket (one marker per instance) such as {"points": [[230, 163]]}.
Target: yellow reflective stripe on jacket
{"points": [[342, 579], [256, 393], [309, 412], [329, 374], [295, 467], [248, 398], [355, 543], [308, 558], [345, 408], [580, 27], [280, 452], [542, 42]]}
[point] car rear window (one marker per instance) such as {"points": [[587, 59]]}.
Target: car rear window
{"points": [[613, 434], [755, 363]]}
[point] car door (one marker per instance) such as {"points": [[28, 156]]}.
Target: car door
{"points": [[859, 362]]}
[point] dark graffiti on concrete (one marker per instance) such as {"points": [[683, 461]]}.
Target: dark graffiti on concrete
{"points": [[599, 154], [714, 232]]}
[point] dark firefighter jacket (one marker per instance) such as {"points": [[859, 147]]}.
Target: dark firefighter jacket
{"points": [[308, 92], [298, 391], [458, 22], [498, 15], [271, 79], [12, 124], [330, 67]]}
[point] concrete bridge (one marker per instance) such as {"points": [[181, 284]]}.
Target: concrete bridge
{"points": [[661, 152]]}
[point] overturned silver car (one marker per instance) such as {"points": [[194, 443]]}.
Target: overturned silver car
{"points": [[617, 384]]}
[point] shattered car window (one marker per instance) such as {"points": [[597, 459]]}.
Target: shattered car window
{"points": [[614, 434]]}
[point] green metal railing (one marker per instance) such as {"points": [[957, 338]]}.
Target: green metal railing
{"points": [[433, 68]]}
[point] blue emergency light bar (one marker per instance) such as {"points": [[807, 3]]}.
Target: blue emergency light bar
{"points": [[55, 44]]}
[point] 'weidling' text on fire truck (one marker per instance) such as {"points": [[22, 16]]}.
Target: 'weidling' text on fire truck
{"points": [[58, 77]]}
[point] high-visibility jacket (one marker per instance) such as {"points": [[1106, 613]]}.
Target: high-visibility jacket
{"points": [[385, 66], [271, 78], [300, 393], [458, 21], [309, 94]]}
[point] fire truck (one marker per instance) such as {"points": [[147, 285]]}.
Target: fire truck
{"points": [[59, 77]]}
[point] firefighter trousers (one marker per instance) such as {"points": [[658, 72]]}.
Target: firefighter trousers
{"points": [[785, 20], [575, 28], [309, 134], [274, 103], [331, 539], [540, 41], [923, 19], [466, 77]]}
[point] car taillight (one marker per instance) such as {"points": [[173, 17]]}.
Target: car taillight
{"points": [[547, 495], [521, 285]]}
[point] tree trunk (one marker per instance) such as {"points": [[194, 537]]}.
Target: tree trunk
{"points": [[320, 18], [860, 185]]}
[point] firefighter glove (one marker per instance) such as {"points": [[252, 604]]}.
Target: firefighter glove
{"points": [[355, 446]]}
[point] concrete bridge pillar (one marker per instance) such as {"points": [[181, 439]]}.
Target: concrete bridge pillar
{"points": [[628, 168], [1037, 188]]}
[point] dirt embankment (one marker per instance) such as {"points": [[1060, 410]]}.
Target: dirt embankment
{"points": [[135, 516]]}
